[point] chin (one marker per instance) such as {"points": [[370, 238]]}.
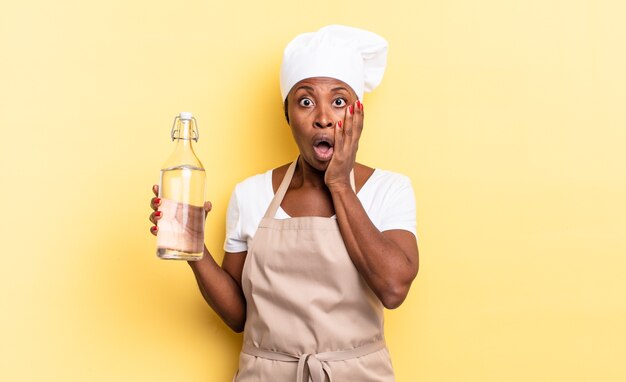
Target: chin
{"points": [[317, 164]]}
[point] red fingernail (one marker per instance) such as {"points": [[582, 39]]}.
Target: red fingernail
{"points": [[154, 228], [157, 200], [340, 123], [360, 105], [157, 214], [351, 109]]}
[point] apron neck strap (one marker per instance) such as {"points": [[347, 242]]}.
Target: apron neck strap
{"points": [[284, 185]]}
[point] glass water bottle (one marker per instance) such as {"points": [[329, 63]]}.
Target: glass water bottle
{"points": [[181, 227]]}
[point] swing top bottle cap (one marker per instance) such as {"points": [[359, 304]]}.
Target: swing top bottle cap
{"points": [[186, 115]]}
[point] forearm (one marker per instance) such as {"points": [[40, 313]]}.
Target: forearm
{"points": [[385, 267], [220, 291]]}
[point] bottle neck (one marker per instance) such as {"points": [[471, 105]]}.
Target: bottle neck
{"points": [[184, 135], [184, 131], [182, 142]]}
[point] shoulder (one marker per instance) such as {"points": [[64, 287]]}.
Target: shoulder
{"points": [[390, 178], [253, 184], [252, 194], [250, 198], [245, 209], [378, 180], [262, 183], [389, 200], [385, 188]]}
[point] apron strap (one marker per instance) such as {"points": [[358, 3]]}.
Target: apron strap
{"points": [[282, 190], [284, 186], [313, 367]]}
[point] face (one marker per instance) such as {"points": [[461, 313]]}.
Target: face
{"points": [[314, 105]]}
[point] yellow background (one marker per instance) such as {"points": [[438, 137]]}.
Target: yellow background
{"points": [[508, 116]]}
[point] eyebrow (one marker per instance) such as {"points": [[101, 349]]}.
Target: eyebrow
{"points": [[305, 87], [309, 88]]}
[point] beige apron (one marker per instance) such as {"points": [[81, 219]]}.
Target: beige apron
{"points": [[310, 315]]}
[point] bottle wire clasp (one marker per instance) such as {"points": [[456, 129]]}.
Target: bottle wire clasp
{"points": [[195, 134]]}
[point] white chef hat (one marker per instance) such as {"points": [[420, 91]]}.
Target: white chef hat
{"points": [[354, 56]]}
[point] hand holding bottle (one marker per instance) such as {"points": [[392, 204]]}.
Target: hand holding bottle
{"points": [[157, 215]]}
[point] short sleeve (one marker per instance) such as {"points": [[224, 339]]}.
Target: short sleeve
{"points": [[234, 241], [399, 210]]}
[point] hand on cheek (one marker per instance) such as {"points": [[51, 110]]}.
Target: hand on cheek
{"points": [[347, 135]]}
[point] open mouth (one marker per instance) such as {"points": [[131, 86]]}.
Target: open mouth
{"points": [[323, 148]]}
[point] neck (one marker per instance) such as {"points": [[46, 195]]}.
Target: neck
{"points": [[308, 176]]}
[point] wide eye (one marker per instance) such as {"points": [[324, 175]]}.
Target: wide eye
{"points": [[306, 102], [340, 102]]}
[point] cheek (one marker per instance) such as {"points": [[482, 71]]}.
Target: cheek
{"points": [[296, 116], [296, 130], [340, 113], [299, 120]]}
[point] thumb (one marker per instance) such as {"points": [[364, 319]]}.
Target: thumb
{"points": [[207, 208]]}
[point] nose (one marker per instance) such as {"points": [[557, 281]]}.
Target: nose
{"points": [[323, 118]]}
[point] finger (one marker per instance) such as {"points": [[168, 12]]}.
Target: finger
{"points": [[155, 217], [207, 208], [155, 203], [154, 229], [155, 189], [357, 122], [338, 137], [348, 127]]}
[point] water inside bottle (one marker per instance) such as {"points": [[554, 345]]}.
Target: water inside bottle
{"points": [[181, 227]]}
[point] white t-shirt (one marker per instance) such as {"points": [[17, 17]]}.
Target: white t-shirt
{"points": [[387, 198]]}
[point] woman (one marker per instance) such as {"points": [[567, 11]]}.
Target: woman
{"points": [[316, 248]]}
